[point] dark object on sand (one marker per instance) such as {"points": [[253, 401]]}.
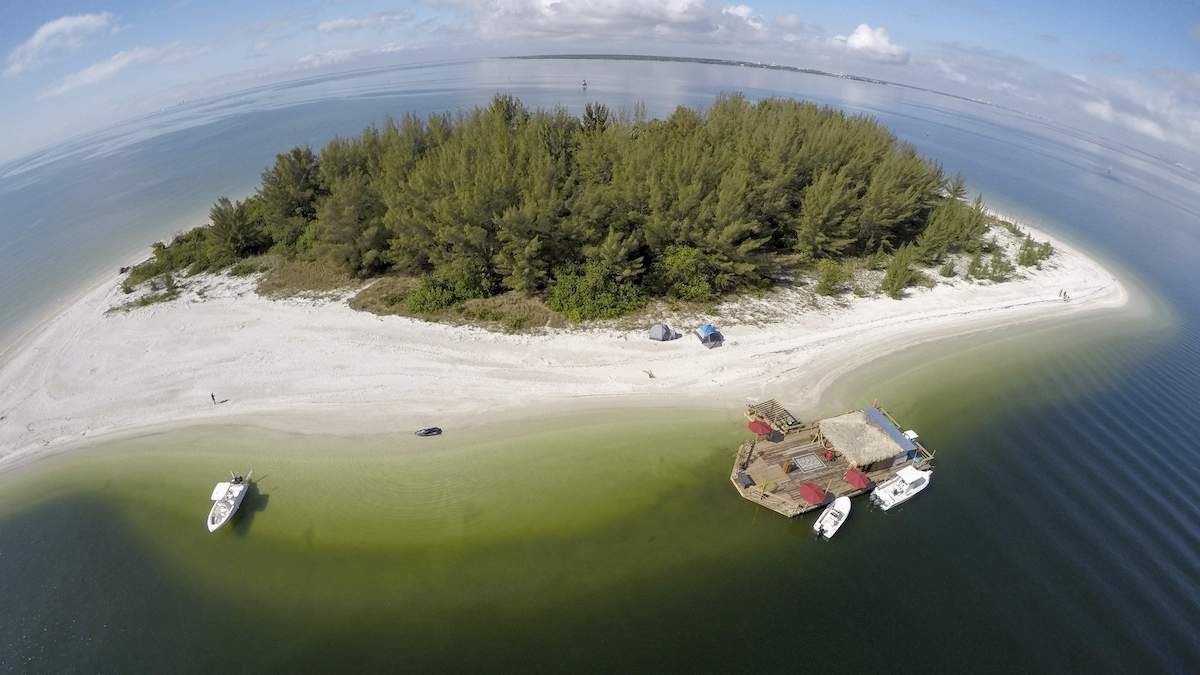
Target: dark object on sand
{"points": [[429, 431]]}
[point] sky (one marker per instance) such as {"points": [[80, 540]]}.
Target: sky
{"points": [[1126, 71]]}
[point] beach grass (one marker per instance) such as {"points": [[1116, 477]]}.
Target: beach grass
{"points": [[303, 277]]}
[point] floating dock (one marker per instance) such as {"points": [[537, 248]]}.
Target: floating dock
{"points": [[793, 467]]}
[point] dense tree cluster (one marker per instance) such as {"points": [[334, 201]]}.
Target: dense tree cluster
{"points": [[593, 212]]}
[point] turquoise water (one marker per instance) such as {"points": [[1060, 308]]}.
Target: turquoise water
{"points": [[1059, 534]]}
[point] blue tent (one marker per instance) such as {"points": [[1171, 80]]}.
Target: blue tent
{"points": [[709, 336]]}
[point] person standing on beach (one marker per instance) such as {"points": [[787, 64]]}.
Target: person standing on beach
{"points": [[213, 397]]}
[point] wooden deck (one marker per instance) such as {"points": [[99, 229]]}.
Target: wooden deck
{"points": [[780, 463]]}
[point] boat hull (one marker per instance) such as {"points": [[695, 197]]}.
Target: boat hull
{"points": [[225, 507], [832, 518], [900, 488]]}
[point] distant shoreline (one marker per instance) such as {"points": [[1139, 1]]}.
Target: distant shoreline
{"points": [[764, 66], [319, 366]]}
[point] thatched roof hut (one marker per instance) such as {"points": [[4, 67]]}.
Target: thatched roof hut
{"points": [[864, 437]]}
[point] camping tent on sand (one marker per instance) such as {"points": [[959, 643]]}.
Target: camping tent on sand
{"points": [[709, 336], [662, 332]]}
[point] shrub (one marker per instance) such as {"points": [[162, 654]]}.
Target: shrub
{"points": [[831, 276], [467, 280], [430, 295], [1001, 268], [586, 292], [947, 269], [899, 272], [685, 273], [1032, 253], [977, 269], [292, 277], [512, 312]]}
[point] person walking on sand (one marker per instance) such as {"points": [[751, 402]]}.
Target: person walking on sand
{"points": [[213, 397]]}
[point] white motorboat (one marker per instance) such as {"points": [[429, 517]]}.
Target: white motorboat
{"points": [[227, 496], [898, 489], [832, 517]]}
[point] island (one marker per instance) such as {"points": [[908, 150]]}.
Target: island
{"points": [[454, 268], [508, 213]]}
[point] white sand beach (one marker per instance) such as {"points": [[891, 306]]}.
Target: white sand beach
{"points": [[317, 365]]}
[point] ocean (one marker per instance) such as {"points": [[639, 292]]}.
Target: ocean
{"points": [[1060, 531]]}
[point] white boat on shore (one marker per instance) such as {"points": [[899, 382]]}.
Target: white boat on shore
{"points": [[227, 496], [832, 517], [898, 489]]}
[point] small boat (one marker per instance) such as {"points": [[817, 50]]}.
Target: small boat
{"points": [[585, 84], [898, 489], [227, 497], [429, 431], [832, 517]]}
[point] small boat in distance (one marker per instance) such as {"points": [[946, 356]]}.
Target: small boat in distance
{"points": [[832, 517], [585, 84], [429, 431], [227, 497], [898, 489]]}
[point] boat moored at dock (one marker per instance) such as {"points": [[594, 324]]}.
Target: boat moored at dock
{"points": [[900, 488], [793, 467], [832, 517]]}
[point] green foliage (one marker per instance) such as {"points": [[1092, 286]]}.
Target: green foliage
{"points": [[431, 295], [289, 194], [447, 287], [900, 272], [162, 289], [589, 291], [1032, 253], [500, 198], [999, 269], [947, 269], [686, 273], [348, 230], [254, 265], [952, 226], [1012, 228], [236, 231], [303, 277], [831, 276], [977, 268], [826, 226]]}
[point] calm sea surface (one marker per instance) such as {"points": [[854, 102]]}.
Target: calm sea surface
{"points": [[1062, 530]]}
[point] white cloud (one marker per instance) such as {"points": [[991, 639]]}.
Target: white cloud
{"points": [[950, 71], [66, 33], [333, 57], [329, 57], [874, 44], [347, 24], [1157, 107], [108, 68], [676, 20], [1103, 109], [745, 13]]}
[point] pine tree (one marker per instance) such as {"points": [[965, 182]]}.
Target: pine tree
{"points": [[826, 227]]}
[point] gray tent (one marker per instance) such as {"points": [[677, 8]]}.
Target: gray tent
{"points": [[662, 332]]}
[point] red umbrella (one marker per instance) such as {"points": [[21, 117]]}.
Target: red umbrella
{"points": [[760, 427], [812, 493], [857, 478]]}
